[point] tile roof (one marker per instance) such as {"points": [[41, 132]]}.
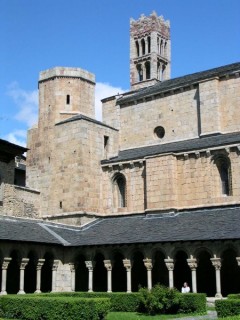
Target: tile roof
{"points": [[200, 143], [206, 224], [83, 117], [179, 82]]}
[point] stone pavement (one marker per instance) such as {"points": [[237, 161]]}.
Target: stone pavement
{"points": [[209, 315]]}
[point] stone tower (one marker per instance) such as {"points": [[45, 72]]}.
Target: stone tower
{"points": [[150, 50]]}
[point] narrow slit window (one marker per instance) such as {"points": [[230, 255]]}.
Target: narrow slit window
{"points": [[68, 99]]}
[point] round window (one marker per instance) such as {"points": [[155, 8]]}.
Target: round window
{"points": [[159, 132]]}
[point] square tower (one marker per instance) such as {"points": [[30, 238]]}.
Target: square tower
{"points": [[150, 50]]}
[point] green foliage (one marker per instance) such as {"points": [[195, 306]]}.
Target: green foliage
{"points": [[120, 301], [53, 308], [158, 300], [234, 296], [228, 307], [192, 303]]}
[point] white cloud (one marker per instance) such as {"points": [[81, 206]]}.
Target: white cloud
{"points": [[103, 90], [18, 137], [27, 103]]}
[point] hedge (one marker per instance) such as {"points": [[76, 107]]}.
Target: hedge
{"points": [[228, 307], [53, 308], [192, 303], [234, 296], [120, 301]]}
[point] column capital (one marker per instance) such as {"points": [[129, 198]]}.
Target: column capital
{"points": [[5, 263], [216, 262], [23, 263], [169, 264], [40, 263], [108, 264], [72, 266], [90, 265], [238, 261], [55, 265], [192, 263], [127, 264], [148, 263]]}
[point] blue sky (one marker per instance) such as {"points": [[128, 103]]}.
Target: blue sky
{"points": [[94, 35]]}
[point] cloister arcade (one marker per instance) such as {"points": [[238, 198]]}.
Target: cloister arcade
{"points": [[213, 268]]}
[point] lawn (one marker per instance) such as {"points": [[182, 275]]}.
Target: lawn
{"points": [[139, 316]]}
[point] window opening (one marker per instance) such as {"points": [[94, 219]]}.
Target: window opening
{"points": [[148, 70], [143, 46], [68, 99], [120, 191], [137, 47], [149, 44], [140, 73]]}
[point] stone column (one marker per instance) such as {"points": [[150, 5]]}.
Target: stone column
{"points": [[148, 265], [108, 266], [73, 275], [39, 268], [90, 266], [127, 264], [5, 264], [54, 274], [216, 262], [23, 264], [238, 261], [193, 266], [170, 266]]}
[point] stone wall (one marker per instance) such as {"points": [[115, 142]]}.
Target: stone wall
{"points": [[19, 201]]}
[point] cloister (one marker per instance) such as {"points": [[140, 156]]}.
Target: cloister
{"points": [[212, 267]]}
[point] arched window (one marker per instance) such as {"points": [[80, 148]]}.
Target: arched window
{"points": [[148, 70], [140, 72], [143, 46], [224, 168], [149, 44], [137, 48], [165, 49], [120, 194]]}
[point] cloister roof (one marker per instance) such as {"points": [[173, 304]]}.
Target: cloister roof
{"points": [[220, 223], [196, 144]]}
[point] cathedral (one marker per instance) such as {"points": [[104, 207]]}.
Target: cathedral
{"points": [[150, 194]]}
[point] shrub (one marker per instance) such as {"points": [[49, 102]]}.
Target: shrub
{"points": [[159, 300], [54, 308], [120, 301], [234, 296], [192, 303], [228, 307]]}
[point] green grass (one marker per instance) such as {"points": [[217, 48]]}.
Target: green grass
{"points": [[140, 316]]}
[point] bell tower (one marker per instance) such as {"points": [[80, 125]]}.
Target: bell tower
{"points": [[150, 51]]}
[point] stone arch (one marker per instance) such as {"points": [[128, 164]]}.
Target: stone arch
{"points": [[206, 279], [13, 273], [119, 190], [81, 273], [99, 273], [224, 177], [30, 274], [159, 270], [46, 272], [139, 272], [230, 272], [119, 275], [182, 272]]}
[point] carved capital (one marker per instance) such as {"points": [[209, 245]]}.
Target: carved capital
{"points": [[192, 264], [5, 263], [72, 266], [90, 265], [55, 265], [23, 263], [216, 262], [108, 265], [40, 263], [148, 263], [169, 264], [127, 264], [238, 261]]}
